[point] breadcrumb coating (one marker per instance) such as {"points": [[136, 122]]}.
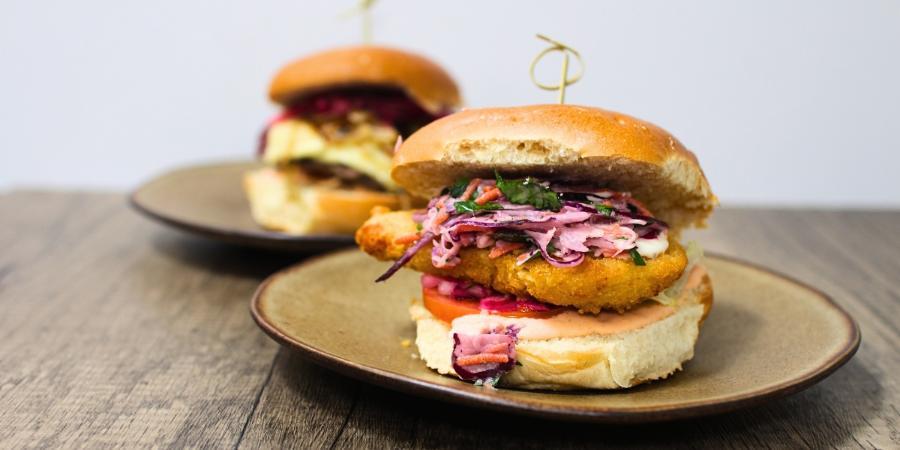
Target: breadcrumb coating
{"points": [[595, 284]]}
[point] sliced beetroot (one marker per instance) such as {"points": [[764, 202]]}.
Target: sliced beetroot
{"points": [[390, 106], [498, 303], [509, 303], [489, 300], [430, 281]]}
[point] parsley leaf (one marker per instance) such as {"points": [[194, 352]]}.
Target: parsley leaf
{"points": [[511, 236], [469, 206], [551, 249], [605, 210], [637, 258], [458, 188], [528, 191]]}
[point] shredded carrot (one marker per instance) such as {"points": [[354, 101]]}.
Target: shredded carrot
{"points": [[502, 249], [407, 238], [496, 348], [441, 217], [488, 195], [470, 189], [481, 358]]}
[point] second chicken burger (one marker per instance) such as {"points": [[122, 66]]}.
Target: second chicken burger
{"points": [[328, 153]]}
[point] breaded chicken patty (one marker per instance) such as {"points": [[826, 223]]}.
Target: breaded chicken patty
{"points": [[595, 284]]}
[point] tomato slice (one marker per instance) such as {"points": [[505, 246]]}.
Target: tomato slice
{"points": [[447, 308]]}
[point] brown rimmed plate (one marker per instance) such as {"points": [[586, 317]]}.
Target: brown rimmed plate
{"points": [[767, 336], [208, 200]]}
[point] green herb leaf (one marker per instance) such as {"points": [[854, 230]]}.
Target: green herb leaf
{"points": [[551, 248], [458, 188], [469, 206], [511, 236], [528, 191], [605, 210], [637, 258], [419, 227]]}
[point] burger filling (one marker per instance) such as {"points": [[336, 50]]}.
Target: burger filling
{"points": [[345, 135], [484, 357], [533, 219], [485, 325], [485, 354]]}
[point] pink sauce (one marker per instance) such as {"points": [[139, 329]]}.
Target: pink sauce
{"points": [[567, 323], [573, 324]]}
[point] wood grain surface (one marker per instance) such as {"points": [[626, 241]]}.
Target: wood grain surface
{"points": [[116, 332]]}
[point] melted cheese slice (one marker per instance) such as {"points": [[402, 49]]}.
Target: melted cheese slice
{"points": [[293, 139]]}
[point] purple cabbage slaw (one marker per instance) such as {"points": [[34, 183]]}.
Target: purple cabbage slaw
{"points": [[597, 222], [499, 343]]}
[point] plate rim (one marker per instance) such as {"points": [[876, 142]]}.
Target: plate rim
{"points": [[261, 238], [411, 386]]}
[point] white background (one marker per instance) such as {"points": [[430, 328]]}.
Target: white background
{"points": [[785, 103]]}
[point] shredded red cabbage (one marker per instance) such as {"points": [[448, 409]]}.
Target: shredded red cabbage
{"points": [[489, 300], [410, 252], [484, 357], [600, 223]]}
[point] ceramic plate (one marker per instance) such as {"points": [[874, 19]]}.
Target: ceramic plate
{"points": [[767, 336], [208, 200]]}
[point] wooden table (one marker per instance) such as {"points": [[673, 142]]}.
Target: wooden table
{"points": [[117, 331]]}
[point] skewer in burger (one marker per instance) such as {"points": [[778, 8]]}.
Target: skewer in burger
{"points": [[549, 247], [328, 153]]}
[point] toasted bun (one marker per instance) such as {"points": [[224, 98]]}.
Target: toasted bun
{"points": [[613, 361], [279, 203], [573, 143], [423, 80]]}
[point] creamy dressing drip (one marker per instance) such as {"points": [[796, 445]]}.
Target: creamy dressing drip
{"points": [[572, 324]]}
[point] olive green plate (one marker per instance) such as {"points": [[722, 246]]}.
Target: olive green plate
{"points": [[208, 200], [767, 336]]}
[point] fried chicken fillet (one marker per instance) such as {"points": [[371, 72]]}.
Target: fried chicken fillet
{"points": [[595, 284]]}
